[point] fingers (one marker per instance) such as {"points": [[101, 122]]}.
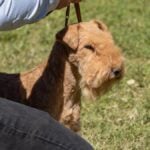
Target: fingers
{"points": [[65, 3], [75, 1]]}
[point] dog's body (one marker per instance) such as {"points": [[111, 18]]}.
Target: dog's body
{"points": [[84, 56]]}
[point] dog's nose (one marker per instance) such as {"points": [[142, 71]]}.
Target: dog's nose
{"points": [[117, 73]]}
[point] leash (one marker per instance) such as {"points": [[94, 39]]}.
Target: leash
{"points": [[78, 13]]}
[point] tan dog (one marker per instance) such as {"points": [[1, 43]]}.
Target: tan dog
{"points": [[85, 57]]}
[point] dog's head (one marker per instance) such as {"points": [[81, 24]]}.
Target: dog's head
{"points": [[93, 51]]}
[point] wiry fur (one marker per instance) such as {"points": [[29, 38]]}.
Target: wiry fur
{"points": [[85, 57]]}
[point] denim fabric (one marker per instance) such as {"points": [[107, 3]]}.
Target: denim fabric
{"points": [[26, 128], [16, 13]]}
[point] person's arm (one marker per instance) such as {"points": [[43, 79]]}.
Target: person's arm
{"points": [[16, 13]]}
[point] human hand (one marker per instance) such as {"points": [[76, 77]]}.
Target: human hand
{"points": [[64, 3]]}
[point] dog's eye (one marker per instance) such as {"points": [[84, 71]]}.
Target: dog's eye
{"points": [[90, 47]]}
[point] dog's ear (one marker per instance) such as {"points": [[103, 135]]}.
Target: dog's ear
{"points": [[100, 25], [69, 36]]}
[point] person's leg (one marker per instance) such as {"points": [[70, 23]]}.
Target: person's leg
{"points": [[26, 128]]}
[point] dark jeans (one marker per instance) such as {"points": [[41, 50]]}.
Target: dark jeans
{"points": [[26, 128]]}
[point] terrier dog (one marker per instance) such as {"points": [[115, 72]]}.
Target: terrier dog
{"points": [[85, 57]]}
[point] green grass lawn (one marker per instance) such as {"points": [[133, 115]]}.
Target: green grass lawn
{"points": [[120, 120]]}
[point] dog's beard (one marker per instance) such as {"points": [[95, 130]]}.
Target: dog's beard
{"points": [[97, 84], [90, 93], [93, 93]]}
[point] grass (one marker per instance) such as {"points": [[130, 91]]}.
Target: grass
{"points": [[120, 120]]}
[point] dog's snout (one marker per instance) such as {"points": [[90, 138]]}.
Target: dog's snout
{"points": [[116, 73]]}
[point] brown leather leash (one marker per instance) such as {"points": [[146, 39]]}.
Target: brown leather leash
{"points": [[78, 13]]}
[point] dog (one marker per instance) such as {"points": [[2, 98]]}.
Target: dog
{"points": [[84, 58]]}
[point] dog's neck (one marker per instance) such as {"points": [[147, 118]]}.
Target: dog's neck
{"points": [[59, 69], [60, 80]]}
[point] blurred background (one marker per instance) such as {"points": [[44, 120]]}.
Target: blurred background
{"points": [[120, 120]]}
